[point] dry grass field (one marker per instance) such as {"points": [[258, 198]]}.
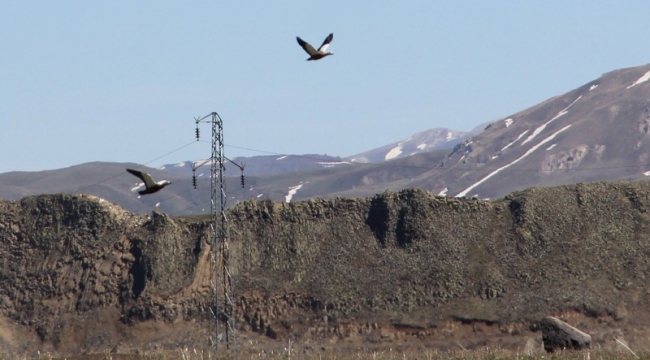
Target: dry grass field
{"points": [[359, 354]]}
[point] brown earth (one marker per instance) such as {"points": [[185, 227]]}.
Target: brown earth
{"points": [[407, 269]]}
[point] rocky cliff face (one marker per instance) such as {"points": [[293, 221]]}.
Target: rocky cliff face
{"points": [[81, 274]]}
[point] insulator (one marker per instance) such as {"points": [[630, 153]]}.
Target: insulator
{"points": [[194, 181], [242, 180], [197, 134]]}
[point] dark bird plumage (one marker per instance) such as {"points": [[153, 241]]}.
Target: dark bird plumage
{"points": [[322, 50], [150, 185]]}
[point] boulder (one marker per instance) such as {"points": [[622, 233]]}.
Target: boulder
{"points": [[558, 335]]}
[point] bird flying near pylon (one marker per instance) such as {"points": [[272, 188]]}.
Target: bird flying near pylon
{"points": [[150, 185]]}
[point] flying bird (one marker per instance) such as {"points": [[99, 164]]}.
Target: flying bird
{"points": [[322, 50], [150, 185]]}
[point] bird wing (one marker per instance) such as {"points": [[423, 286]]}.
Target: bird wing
{"points": [[326, 43], [146, 178], [308, 48]]}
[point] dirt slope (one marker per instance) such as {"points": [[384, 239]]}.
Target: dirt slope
{"points": [[79, 274]]}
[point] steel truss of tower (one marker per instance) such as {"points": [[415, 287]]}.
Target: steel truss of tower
{"points": [[221, 305]]}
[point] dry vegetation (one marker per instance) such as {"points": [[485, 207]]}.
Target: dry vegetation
{"points": [[353, 354]]}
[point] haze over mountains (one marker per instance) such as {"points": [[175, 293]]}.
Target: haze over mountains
{"points": [[597, 131]]}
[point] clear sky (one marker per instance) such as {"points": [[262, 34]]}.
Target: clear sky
{"points": [[122, 81]]}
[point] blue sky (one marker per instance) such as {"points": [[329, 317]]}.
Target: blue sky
{"points": [[122, 81]]}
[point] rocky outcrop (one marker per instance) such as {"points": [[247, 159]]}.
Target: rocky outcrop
{"points": [[79, 273], [558, 335]]}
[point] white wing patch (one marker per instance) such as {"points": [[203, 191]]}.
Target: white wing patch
{"points": [[324, 47]]}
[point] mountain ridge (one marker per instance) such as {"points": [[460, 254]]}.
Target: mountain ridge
{"points": [[606, 118], [597, 131]]}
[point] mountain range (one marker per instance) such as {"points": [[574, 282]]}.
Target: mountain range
{"points": [[597, 131]]}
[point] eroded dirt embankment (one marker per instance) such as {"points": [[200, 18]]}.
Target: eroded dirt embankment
{"points": [[80, 274]]}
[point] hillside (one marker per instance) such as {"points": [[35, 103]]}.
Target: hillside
{"points": [[401, 268], [257, 165], [424, 141], [110, 181], [598, 131]]}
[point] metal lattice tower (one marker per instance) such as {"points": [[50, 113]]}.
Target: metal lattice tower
{"points": [[221, 307]]}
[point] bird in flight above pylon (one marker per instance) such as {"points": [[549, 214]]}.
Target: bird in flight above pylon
{"points": [[313, 53]]}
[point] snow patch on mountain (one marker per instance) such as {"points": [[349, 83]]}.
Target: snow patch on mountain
{"points": [[641, 80], [332, 163], [530, 151], [424, 141], [543, 126], [517, 139], [292, 192], [199, 163], [394, 152]]}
